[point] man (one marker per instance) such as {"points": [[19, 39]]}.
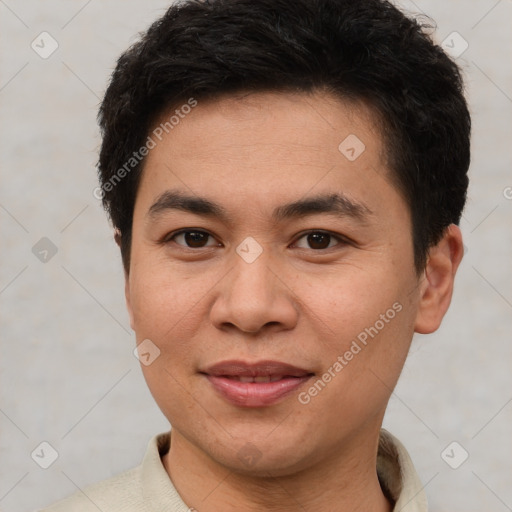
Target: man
{"points": [[285, 179]]}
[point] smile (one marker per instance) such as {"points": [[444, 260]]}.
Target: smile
{"points": [[257, 384]]}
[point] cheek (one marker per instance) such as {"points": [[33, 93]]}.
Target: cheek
{"points": [[160, 298], [367, 319], [362, 360], [348, 299], [170, 307]]}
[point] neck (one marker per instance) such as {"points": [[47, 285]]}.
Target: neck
{"points": [[346, 480]]}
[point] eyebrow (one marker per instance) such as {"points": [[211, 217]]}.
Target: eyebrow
{"points": [[336, 203]]}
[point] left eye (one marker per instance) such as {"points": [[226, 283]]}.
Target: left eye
{"points": [[318, 240]]}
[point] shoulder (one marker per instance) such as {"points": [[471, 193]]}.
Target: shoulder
{"points": [[121, 493], [135, 490]]}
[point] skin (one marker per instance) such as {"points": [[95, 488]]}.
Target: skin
{"points": [[295, 303]]}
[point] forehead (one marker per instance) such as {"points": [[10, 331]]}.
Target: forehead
{"points": [[301, 119], [277, 145]]}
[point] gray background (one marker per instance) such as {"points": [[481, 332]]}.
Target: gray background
{"points": [[68, 375]]}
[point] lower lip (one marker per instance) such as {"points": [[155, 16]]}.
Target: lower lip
{"points": [[255, 394]]}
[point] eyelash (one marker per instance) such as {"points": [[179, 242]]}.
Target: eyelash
{"points": [[170, 238]]}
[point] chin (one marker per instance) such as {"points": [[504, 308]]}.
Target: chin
{"points": [[259, 456], [263, 466]]}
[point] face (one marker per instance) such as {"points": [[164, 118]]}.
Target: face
{"points": [[263, 250]]}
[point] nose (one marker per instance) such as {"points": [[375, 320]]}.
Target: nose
{"points": [[254, 297]]}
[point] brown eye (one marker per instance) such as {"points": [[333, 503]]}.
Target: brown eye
{"points": [[192, 239], [318, 240]]}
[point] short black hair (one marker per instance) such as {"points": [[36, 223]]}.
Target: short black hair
{"points": [[359, 50]]}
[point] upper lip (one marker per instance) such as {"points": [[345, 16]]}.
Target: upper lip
{"points": [[255, 369]]}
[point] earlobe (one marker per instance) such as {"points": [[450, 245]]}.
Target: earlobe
{"points": [[436, 286]]}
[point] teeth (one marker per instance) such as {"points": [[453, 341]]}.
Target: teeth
{"points": [[261, 378]]}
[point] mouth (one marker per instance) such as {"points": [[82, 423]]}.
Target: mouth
{"points": [[257, 384], [260, 378]]}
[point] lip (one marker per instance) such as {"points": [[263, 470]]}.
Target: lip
{"points": [[224, 378]]}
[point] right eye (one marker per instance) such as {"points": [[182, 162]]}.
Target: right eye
{"points": [[191, 239]]}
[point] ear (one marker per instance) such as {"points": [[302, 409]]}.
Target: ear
{"points": [[436, 285], [117, 238]]}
